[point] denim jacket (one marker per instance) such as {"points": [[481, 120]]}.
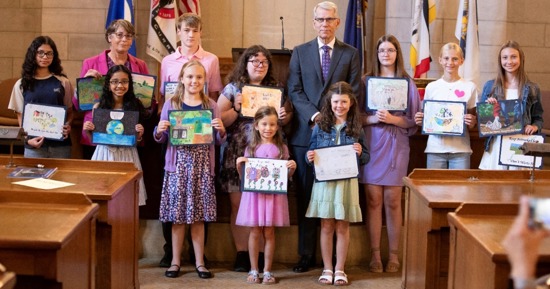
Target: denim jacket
{"points": [[320, 139], [532, 107]]}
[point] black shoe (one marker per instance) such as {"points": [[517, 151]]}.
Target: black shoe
{"points": [[303, 265], [261, 263], [172, 274], [203, 274], [242, 262], [166, 260]]}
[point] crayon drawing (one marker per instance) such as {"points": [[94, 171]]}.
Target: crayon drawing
{"points": [[387, 93], [88, 92], [265, 176], [144, 88], [254, 97], [115, 127], [44, 120], [443, 117], [191, 127]]}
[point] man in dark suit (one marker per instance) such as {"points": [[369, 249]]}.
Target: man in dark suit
{"points": [[307, 82]]}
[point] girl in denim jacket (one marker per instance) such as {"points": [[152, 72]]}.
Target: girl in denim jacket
{"points": [[336, 202], [511, 83]]}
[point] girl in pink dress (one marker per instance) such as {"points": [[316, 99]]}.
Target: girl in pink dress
{"points": [[262, 212]]}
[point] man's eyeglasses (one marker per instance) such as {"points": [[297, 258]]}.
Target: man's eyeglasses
{"points": [[121, 35], [328, 20], [41, 54], [256, 62], [116, 82], [389, 50]]}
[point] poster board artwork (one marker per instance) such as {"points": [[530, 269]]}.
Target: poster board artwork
{"points": [[254, 97], [115, 127], [191, 127], [44, 120], [336, 163], [444, 117], [88, 91], [265, 176], [502, 118], [512, 155], [390, 94], [144, 88]]}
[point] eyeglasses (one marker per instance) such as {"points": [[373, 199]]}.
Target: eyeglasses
{"points": [[328, 20], [117, 82], [121, 35], [256, 62], [41, 54], [389, 50]]}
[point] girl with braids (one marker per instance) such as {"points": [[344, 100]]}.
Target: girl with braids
{"points": [[259, 211], [118, 93], [43, 82], [253, 67], [336, 202], [188, 195]]}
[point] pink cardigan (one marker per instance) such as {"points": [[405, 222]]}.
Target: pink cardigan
{"points": [[99, 63]]}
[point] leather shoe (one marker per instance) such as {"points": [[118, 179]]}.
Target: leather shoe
{"points": [[203, 274], [242, 262], [166, 260], [172, 274], [303, 265]]}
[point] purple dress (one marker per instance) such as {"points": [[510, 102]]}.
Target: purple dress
{"points": [[389, 147], [264, 210]]}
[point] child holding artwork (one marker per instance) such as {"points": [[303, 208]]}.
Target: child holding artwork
{"points": [[188, 194], [263, 212], [450, 152], [336, 202], [118, 93], [43, 82], [511, 83]]}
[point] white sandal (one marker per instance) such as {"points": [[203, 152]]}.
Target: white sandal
{"points": [[253, 277], [269, 278], [342, 277], [326, 276]]}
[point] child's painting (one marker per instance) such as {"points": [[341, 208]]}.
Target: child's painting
{"points": [[144, 88], [391, 94], [44, 120], [335, 163], [115, 127], [169, 90], [512, 155], [88, 92], [443, 117], [191, 127], [502, 118], [254, 97], [265, 176]]}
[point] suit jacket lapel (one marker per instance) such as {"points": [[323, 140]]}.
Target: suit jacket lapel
{"points": [[334, 60], [315, 59]]}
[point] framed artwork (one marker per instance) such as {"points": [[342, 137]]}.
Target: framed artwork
{"points": [[512, 155], [169, 90], [335, 163], [191, 127], [254, 97], [115, 127], [265, 176], [391, 94], [443, 117], [88, 92], [44, 120], [502, 118], [144, 88]]}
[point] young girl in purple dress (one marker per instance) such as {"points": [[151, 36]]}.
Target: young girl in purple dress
{"points": [[260, 211], [188, 195]]}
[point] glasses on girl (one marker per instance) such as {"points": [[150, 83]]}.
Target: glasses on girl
{"points": [[41, 54], [257, 63]]}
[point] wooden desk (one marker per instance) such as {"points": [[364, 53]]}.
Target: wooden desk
{"points": [[48, 239], [477, 260], [431, 194], [112, 185]]}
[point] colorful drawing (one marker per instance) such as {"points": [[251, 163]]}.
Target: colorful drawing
{"points": [[191, 127], [254, 97], [115, 127], [88, 92], [501, 118], [387, 93], [512, 155], [44, 120], [265, 176], [144, 88], [443, 117]]}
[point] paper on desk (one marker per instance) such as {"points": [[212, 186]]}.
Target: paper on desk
{"points": [[44, 184]]}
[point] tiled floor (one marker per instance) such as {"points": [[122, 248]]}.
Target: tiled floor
{"points": [[152, 277]]}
